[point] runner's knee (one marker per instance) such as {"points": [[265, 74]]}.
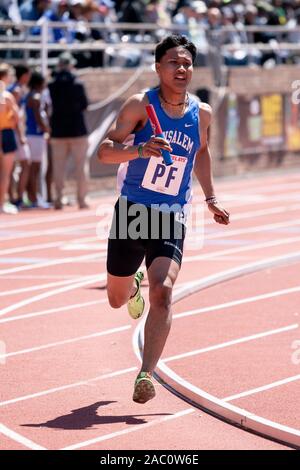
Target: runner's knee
{"points": [[116, 300], [160, 296]]}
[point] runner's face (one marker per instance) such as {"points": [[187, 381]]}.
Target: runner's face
{"points": [[175, 68]]}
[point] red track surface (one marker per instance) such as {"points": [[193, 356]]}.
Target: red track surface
{"points": [[70, 365]]}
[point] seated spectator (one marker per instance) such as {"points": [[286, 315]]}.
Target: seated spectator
{"points": [[58, 13], [32, 10]]}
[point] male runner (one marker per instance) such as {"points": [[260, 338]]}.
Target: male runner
{"points": [[147, 184]]}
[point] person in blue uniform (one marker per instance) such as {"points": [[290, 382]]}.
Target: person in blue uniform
{"points": [[150, 215]]}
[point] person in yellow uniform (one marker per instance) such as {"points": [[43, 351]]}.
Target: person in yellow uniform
{"points": [[9, 117]]}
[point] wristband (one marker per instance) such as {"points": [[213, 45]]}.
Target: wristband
{"points": [[140, 151], [211, 200]]}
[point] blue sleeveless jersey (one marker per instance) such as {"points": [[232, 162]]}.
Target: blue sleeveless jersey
{"points": [[32, 127], [11, 88], [149, 181]]}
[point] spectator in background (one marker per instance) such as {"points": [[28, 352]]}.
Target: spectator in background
{"points": [[32, 10], [69, 133], [37, 132], [132, 12], [76, 9], [19, 90], [193, 16], [58, 12], [214, 39], [9, 10], [101, 12], [294, 36], [9, 116]]}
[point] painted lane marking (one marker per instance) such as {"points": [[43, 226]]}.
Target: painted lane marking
{"points": [[66, 387], [66, 341], [80, 283], [278, 383], [18, 438], [53, 310], [233, 342], [233, 303], [139, 427]]}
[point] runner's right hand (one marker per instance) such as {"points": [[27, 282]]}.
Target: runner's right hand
{"points": [[154, 145]]}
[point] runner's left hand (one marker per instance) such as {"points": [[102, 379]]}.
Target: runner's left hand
{"points": [[221, 216]]}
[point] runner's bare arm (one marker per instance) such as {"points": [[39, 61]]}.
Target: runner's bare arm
{"points": [[131, 118], [35, 103], [203, 166], [12, 104]]}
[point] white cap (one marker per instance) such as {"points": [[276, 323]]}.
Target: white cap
{"points": [[77, 2], [199, 6]]}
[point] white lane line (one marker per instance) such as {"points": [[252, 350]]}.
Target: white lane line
{"points": [[245, 200], [68, 244], [263, 212], [66, 341], [242, 269], [29, 247], [255, 229], [233, 303], [27, 277], [53, 231], [111, 199], [42, 246], [60, 217], [210, 255], [272, 187], [79, 283], [244, 418], [67, 229], [38, 287], [258, 228], [263, 388], [18, 438], [66, 387], [242, 215], [240, 249], [244, 339], [53, 310], [55, 262], [84, 246], [255, 181], [257, 213], [139, 427]]}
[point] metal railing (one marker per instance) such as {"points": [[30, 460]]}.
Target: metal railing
{"points": [[19, 37]]}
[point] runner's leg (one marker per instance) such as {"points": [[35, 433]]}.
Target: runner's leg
{"points": [[162, 275], [120, 289], [6, 167], [124, 257]]}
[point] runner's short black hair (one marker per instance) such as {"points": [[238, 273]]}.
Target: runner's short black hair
{"points": [[21, 70], [36, 80], [174, 40]]}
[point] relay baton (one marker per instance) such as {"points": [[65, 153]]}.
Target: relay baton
{"points": [[158, 132]]}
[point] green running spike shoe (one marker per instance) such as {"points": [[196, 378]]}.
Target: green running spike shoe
{"points": [[136, 304], [143, 388]]}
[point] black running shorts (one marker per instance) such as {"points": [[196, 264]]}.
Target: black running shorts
{"points": [[148, 233]]}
